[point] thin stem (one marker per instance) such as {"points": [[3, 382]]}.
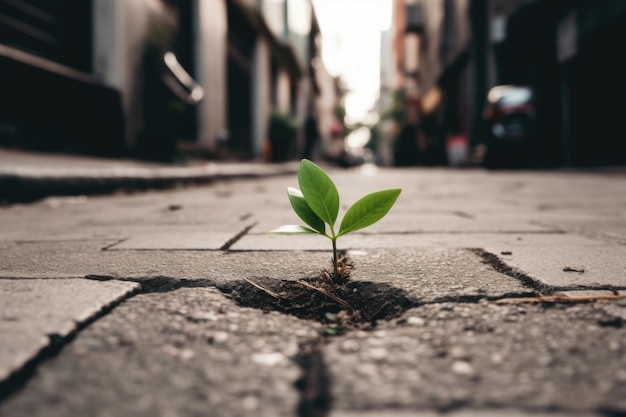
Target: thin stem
{"points": [[336, 269]]}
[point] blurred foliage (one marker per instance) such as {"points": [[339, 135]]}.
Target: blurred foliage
{"points": [[374, 137], [397, 108], [283, 133]]}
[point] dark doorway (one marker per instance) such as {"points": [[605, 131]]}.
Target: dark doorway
{"points": [[598, 97], [241, 41]]}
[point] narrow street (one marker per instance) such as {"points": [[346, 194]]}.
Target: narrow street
{"points": [[506, 287]]}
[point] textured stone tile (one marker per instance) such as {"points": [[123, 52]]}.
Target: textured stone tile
{"points": [[33, 310], [190, 352], [566, 358]]}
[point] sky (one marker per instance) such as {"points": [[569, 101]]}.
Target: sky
{"points": [[351, 48]]}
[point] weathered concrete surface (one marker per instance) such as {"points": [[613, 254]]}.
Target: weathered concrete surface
{"points": [[83, 218], [32, 311], [25, 176], [426, 274], [527, 357], [192, 239], [554, 359], [497, 242], [570, 265], [191, 352], [412, 221], [429, 275], [82, 258]]}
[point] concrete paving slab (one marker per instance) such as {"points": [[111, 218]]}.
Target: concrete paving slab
{"points": [[190, 352], [565, 358], [569, 265], [32, 311], [51, 259], [416, 222], [426, 274], [72, 259], [190, 239], [29, 176], [505, 241], [613, 230], [430, 275], [122, 217]]}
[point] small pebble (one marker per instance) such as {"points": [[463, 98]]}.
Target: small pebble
{"points": [[462, 368], [415, 321]]}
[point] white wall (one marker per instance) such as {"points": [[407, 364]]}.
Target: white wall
{"points": [[283, 91], [120, 30], [261, 98], [211, 34]]}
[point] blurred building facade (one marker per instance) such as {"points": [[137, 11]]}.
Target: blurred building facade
{"points": [[90, 75], [449, 53]]}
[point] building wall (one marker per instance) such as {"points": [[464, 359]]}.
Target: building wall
{"points": [[211, 63], [431, 65], [283, 92], [388, 71], [325, 107], [261, 96], [120, 31], [130, 36]]}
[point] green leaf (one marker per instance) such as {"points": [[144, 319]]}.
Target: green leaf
{"points": [[303, 210], [319, 191], [368, 210], [292, 229]]}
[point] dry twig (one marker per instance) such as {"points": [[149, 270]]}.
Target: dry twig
{"points": [[343, 303], [558, 299], [265, 290]]}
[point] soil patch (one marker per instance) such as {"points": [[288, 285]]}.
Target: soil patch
{"points": [[345, 304]]}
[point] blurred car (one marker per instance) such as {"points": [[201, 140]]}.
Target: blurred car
{"points": [[510, 120]]}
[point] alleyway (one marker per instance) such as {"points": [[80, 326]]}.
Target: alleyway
{"points": [[510, 283]]}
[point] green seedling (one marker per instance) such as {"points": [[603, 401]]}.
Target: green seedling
{"points": [[317, 204]]}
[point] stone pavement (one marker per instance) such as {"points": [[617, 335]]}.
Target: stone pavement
{"points": [[136, 305], [27, 176]]}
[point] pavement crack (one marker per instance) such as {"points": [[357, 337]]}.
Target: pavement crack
{"points": [[107, 247], [502, 267], [56, 342], [314, 384], [533, 283], [245, 216], [226, 246], [159, 284], [364, 302], [463, 214]]}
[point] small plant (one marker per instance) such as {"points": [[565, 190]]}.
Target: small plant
{"points": [[317, 204]]}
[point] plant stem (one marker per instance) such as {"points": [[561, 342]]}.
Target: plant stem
{"points": [[336, 269]]}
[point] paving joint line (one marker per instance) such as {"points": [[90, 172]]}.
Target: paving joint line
{"points": [[533, 283], [107, 247], [499, 265], [314, 383], [226, 246], [159, 283], [20, 377]]}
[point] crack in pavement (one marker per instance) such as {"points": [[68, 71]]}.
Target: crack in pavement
{"points": [[314, 383], [237, 237], [544, 289], [18, 379], [500, 266]]}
